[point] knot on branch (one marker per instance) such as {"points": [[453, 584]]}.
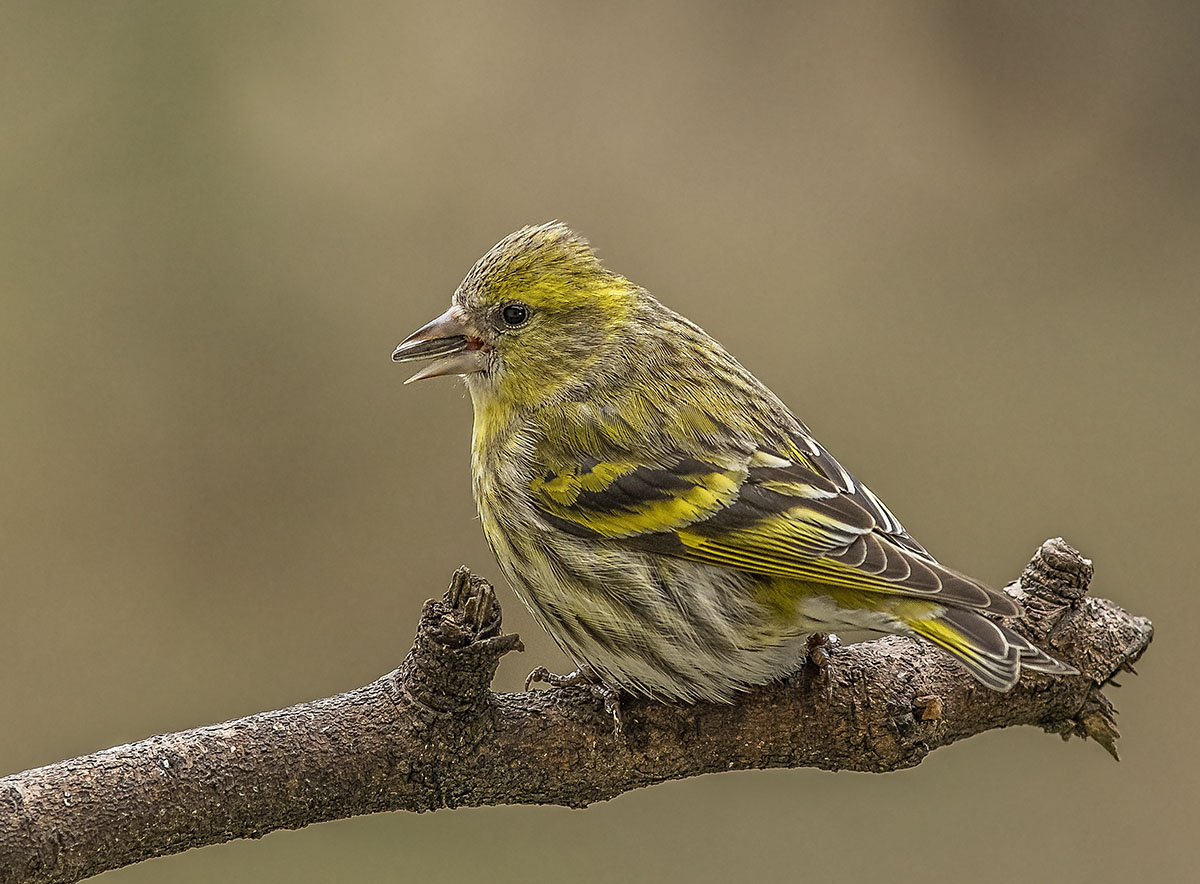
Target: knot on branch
{"points": [[1100, 639], [1050, 590], [458, 646], [1057, 572]]}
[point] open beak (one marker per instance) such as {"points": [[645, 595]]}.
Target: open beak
{"points": [[449, 339]]}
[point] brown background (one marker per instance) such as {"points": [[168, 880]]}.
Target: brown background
{"points": [[963, 241]]}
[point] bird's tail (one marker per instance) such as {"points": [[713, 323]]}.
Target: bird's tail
{"points": [[992, 653]]}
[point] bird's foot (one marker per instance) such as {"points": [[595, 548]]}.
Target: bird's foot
{"points": [[585, 677], [820, 653], [820, 649]]}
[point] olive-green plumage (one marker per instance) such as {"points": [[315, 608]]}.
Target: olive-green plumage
{"points": [[660, 512]]}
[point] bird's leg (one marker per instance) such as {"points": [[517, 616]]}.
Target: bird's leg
{"points": [[820, 648], [585, 676]]}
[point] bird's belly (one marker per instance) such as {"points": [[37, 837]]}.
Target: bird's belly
{"points": [[648, 624]]}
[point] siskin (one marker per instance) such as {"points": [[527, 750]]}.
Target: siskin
{"points": [[660, 512]]}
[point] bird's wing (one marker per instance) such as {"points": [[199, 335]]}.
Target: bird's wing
{"points": [[792, 513], [810, 452]]}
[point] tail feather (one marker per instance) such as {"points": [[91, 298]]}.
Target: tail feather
{"points": [[993, 654]]}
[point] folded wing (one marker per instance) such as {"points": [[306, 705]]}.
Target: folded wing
{"points": [[792, 513]]}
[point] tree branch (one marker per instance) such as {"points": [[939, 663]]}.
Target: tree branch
{"points": [[431, 734]]}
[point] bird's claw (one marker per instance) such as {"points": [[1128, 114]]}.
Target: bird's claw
{"points": [[820, 649], [539, 674], [584, 677]]}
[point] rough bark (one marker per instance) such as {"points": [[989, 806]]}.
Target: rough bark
{"points": [[431, 734]]}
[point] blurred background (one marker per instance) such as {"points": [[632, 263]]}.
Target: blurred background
{"points": [[961, 240]]}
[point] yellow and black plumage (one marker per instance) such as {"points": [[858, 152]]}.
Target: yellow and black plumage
{"points": [[660, 512]]}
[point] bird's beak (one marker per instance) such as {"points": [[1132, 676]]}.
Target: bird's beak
{"points": [[448, 337]]}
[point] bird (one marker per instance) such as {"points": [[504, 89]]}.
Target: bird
{"points": [[677, 531]]}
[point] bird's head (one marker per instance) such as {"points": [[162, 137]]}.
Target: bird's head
{"points": [[528, 321]]}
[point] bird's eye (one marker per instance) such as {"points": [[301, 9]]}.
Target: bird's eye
{"points": [[514, 314]]}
